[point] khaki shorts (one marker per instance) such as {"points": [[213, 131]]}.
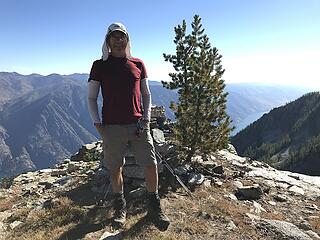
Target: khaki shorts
{"points": [[115, 142]]}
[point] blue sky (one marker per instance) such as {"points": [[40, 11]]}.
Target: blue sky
{"points": [[274, 41]]}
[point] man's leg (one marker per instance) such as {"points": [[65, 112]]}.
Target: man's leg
{"points": [[115, 141], [116, 180], [120, 205], [155, 212], [144, 152], [151, 175]]}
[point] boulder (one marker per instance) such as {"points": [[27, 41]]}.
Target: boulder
{"points": [[249, 192], [158, 135], [282, 230]]}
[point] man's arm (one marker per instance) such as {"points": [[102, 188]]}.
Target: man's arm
{"points": [[93, 92], [146, 99]]}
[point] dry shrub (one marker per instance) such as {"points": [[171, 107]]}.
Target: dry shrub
{"points": [[18, 215], [41, 234], [37, 214], [274, 216], [64, 212], [315, 223], [5, 204], [47, 224]]}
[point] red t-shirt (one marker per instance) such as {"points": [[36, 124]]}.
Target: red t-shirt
{"points": [[120, 83]]}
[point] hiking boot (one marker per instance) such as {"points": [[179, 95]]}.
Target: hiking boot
{"points": [[120, 208], [155, 213]]}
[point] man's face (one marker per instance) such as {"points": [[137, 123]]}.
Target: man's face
{"points": [[117, 41]]}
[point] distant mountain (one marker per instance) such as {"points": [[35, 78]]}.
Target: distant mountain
{"points": [[163, 97], [288, 137], [45, 125], [44, 119], [248, 102], [78, 76], [13, 85]]}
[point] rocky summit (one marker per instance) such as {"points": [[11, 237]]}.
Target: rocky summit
{"points": [[231, 197]]}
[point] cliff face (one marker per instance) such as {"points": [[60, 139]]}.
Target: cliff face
{"points": [[232, 198]]}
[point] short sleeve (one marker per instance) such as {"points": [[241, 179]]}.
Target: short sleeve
{"points": [[95, 72], [143, 71]]}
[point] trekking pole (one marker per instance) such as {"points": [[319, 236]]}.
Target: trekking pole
{"points": [[107, 191], [140, 129], [166, 164]]}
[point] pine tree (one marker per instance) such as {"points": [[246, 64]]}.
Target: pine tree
{"points": [[202, 124]]}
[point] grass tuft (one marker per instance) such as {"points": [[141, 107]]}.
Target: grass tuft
{"points": [[47, 224]]}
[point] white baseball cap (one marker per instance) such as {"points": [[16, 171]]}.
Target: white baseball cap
{"points": [[112, 28], [117, 27]]}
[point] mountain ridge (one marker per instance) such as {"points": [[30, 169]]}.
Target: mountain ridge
{"points": [[287, 137], [55, 124]]}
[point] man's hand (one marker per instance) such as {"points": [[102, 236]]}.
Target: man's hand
{"points": [[142, 125], [145, 124]]}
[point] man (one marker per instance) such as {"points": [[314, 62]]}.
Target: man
{"points": [[124, 85]]}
